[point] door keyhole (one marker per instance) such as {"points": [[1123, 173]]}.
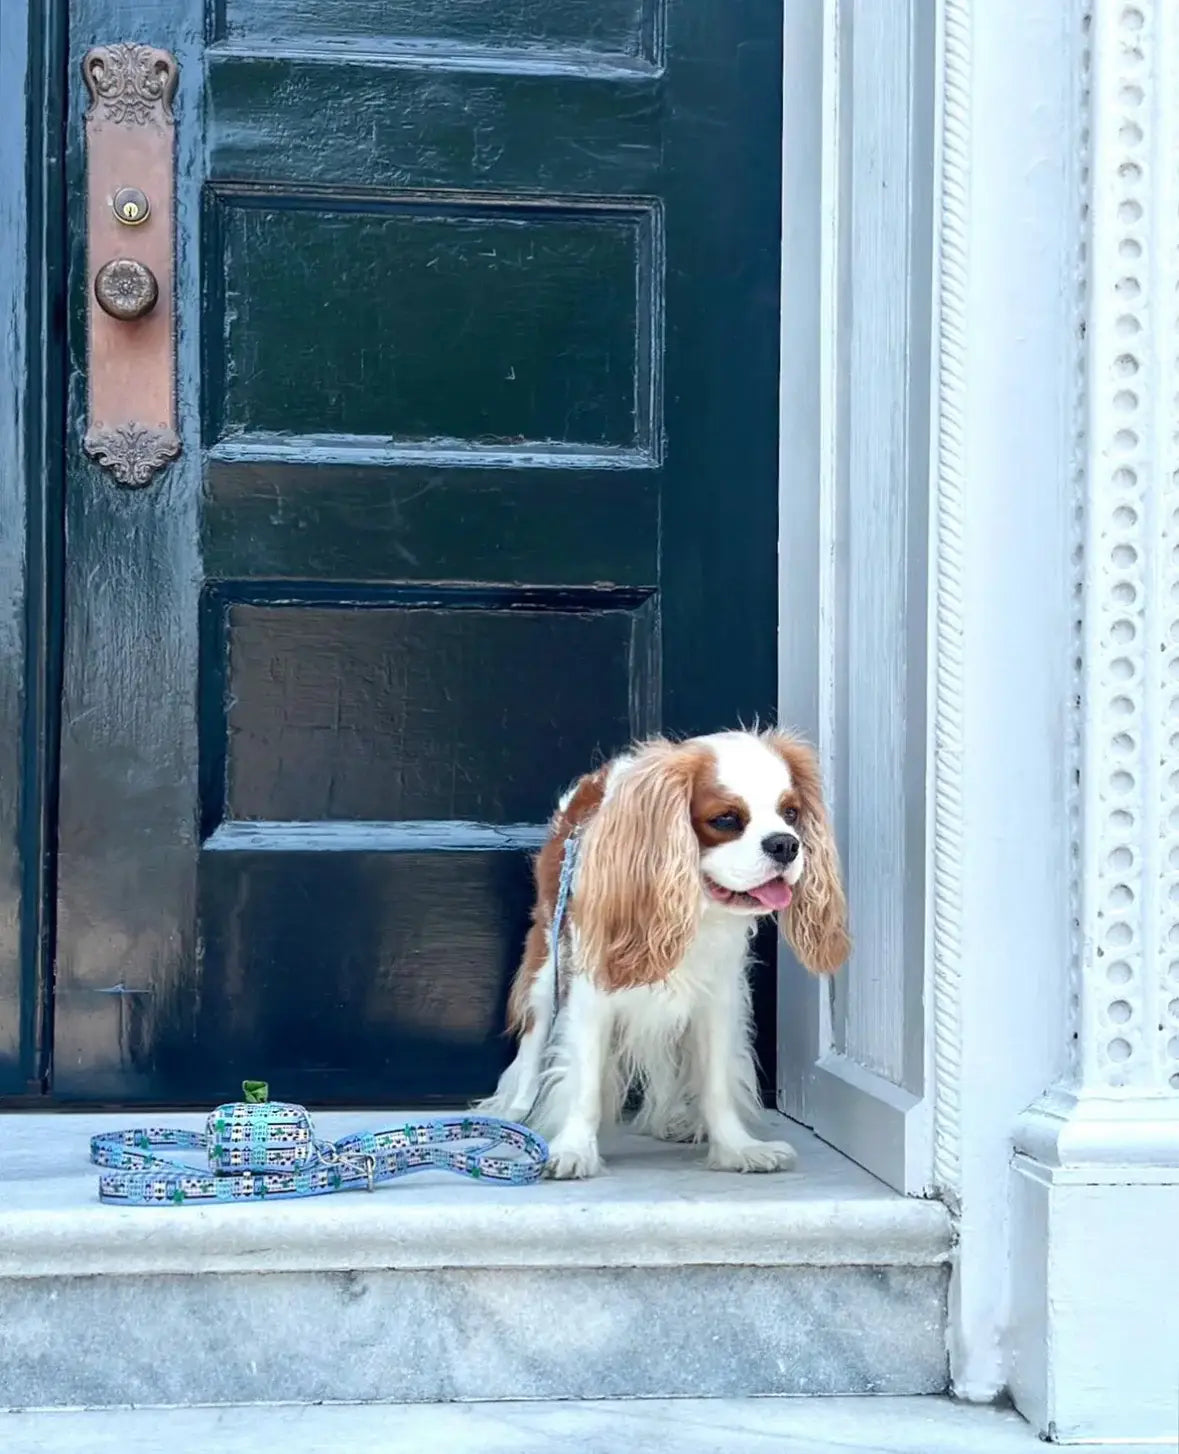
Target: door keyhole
{"points": [[131, 206]]}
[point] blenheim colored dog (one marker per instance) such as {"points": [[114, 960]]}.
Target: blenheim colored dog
{"points": [[682, 847]]}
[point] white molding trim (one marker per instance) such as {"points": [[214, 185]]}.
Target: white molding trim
{"points": [[808, 414], [855, 1057], [880, 1125], [1091, 1139], [947, 617]]}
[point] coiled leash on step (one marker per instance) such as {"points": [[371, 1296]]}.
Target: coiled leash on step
{"points": [[260, 1150]]}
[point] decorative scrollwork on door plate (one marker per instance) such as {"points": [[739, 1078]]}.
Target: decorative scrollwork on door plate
{"points": [[128, 83], [132, 453], [131, 372]]}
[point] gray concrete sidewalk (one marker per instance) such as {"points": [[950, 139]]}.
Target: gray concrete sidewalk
{"points": [[723, 1426]]}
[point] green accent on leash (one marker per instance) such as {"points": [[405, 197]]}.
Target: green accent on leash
{"points": [[255, 1092]]}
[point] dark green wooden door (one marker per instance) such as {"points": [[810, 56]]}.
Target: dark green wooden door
{"points": [[477, 381]]}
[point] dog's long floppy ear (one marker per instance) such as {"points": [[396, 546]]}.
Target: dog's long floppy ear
{"points": [[815, 924], [637, 900]]}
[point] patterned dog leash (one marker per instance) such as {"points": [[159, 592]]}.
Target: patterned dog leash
{"points": [[564, 889], [259, 1150]]}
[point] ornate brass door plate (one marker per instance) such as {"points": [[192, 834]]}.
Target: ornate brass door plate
{"points": [[131, 367]]}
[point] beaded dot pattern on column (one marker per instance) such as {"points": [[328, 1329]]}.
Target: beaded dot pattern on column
{"points": [[1130, 854]]}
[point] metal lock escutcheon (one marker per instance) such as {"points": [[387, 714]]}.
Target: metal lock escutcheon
{"points": [[131, 429]]}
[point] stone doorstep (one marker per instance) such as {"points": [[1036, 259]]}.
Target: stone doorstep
{"points": [[656, 1206], [660, 1279]]}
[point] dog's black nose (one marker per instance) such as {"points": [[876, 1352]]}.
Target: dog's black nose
{"points": [[781, 847]]}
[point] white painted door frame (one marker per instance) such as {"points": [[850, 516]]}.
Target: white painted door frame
{"points": [[858, 151]]}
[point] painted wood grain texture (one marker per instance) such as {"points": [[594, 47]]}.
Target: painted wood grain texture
{"points": [[585, 30], [882, 585], [31, 452], [14, 421], [395, 714], [495, 326]]}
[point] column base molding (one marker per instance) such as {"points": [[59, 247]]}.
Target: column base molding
{"points": [[1105, 1137], [1094, 1279]]}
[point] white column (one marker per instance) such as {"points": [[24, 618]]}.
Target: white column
{"points": [[1095, 1249], [1128, 799], [1006, 394], [1053, 986]]}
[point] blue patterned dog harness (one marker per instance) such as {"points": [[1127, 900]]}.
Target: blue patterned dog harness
{"points": [[267, 1151]]}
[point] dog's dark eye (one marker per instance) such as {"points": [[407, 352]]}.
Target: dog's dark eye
{"points": [[790, 815], [726, 823]]}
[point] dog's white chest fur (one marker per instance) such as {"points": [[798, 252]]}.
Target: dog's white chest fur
{"points": [[648, 1015]]}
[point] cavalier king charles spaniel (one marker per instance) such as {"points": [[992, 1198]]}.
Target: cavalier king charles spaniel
{"points": [[682, 847]]}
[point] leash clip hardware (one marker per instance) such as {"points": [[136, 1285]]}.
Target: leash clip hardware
{"points": [[330, 1155]]}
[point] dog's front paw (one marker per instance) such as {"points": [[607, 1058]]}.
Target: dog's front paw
{"points": [[572, 1158], [752, 1155]]}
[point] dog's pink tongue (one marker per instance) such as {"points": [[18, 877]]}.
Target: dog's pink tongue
{"points": [[776, 894]]}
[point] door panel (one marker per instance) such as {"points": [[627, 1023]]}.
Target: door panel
{"points": [[349, 521], [622, 30], [392, 708], [524, 329], [477, 321]]}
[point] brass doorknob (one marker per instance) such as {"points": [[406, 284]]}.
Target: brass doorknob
{"points": [[126, 289]]}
